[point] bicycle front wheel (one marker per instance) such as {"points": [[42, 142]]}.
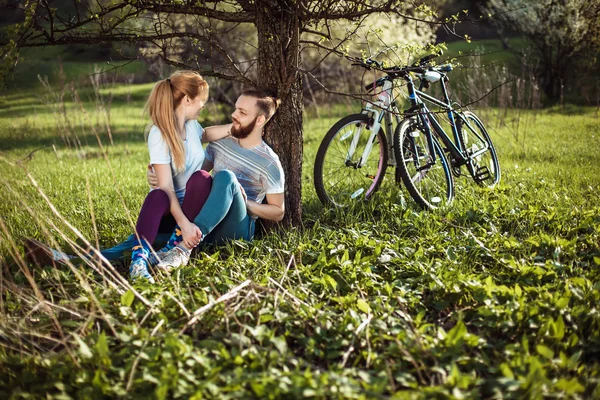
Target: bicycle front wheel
{"points": [[426, 176], [344, 171], [484, 166]]}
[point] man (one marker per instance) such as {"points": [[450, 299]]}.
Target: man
{"points": [[245, 172]]}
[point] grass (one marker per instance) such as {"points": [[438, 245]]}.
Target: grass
{"points": [[495, 297], [77, 63]]}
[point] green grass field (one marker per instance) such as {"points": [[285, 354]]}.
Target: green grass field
{"points": [[495, 297]]}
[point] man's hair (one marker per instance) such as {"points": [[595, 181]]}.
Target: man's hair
{"points": [[267, 105]]}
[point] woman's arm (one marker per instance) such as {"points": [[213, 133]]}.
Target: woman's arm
{"points": [[191, 233], [153, 179], [216, 132]]}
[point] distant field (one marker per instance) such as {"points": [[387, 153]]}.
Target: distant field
{"points": [[47, 61]]}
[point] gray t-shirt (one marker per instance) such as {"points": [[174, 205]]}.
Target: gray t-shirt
{"points": [[257, 169], [194, 154]]}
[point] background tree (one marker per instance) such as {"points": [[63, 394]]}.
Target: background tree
{"points": [[197, 34], [566, 35]]}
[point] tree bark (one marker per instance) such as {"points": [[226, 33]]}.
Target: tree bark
{"points": [[278, 74]]}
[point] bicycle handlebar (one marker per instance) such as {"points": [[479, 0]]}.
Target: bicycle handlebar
{"points": [[425, 59], [399, 72]]}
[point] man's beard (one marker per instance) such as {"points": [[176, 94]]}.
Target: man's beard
{"points": [[241, 132]]}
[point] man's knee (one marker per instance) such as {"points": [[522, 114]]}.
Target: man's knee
{"points": [[224, 177]]}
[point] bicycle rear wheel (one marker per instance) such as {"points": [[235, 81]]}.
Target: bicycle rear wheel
{"points": [[429, 183], [341, 176], [484, 167]]}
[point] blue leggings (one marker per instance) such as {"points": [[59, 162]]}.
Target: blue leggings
{"points": [[223, 217]]}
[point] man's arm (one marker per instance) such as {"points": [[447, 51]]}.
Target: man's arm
{"points": [[273, 211], [216, 132]]}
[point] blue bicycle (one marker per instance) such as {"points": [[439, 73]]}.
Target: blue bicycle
{"points": [[355, 153], [426, 156]]}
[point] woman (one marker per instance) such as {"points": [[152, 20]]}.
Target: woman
{"points": [[176, 156]]}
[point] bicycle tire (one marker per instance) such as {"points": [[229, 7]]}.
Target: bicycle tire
{"points": [[434, 187], [356, 183], [487, 164]]}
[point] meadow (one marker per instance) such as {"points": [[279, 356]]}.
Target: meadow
{"points": [[494, 297]]}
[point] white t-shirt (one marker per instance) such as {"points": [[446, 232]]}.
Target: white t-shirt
{"points": [[257, 169], [194, 154]]}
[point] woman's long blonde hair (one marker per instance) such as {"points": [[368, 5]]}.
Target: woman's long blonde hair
{"points": [[165, 98]]}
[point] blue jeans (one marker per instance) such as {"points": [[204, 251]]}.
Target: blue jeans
{"points": [[223, 217]]}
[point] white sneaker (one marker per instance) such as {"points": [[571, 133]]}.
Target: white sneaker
{"points": [[175, 258], [155, 257]]}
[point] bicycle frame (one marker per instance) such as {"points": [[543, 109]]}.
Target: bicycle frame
{"points": [[381, 111], [427, 117]]}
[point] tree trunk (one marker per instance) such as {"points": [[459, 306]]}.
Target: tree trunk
{"points": [[278, 60]]}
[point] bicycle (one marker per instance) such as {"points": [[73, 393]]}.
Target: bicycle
{"points": [[424, 167], [416, 138], [351, 165]]}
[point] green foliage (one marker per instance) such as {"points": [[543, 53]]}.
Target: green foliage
{"points": [[493, 298]]}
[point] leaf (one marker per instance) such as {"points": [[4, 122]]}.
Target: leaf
{"points": [[83, 347], [456, 334], [330, 281], [127, 298], [525, 344], [544, 351], [571, 386], [102, 345], [258, 388], [563, 302], [451, 254], [280, 344], [518, 290], [363, 306], [506, 371], [559, 326], [266, 318]]}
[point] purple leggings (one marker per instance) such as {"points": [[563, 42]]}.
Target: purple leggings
{"points": [[155, 214]]}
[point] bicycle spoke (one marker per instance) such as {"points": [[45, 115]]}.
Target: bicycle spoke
{"points": [[428, 181], [343, 177], [478, 145]]}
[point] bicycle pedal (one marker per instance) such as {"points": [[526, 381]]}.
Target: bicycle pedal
{"points": [[482, 174]]}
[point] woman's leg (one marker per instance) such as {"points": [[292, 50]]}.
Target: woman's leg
{"points": [[197, 191], [155, 207]]}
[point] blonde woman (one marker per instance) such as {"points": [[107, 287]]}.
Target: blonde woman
{"points": [[176, 155]]}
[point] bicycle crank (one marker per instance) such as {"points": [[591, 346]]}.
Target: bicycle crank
{"points": [[482, 174]]}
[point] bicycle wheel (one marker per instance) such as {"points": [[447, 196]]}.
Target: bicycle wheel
{"points": [[341, 176], [429, 184], [484, 166]]}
